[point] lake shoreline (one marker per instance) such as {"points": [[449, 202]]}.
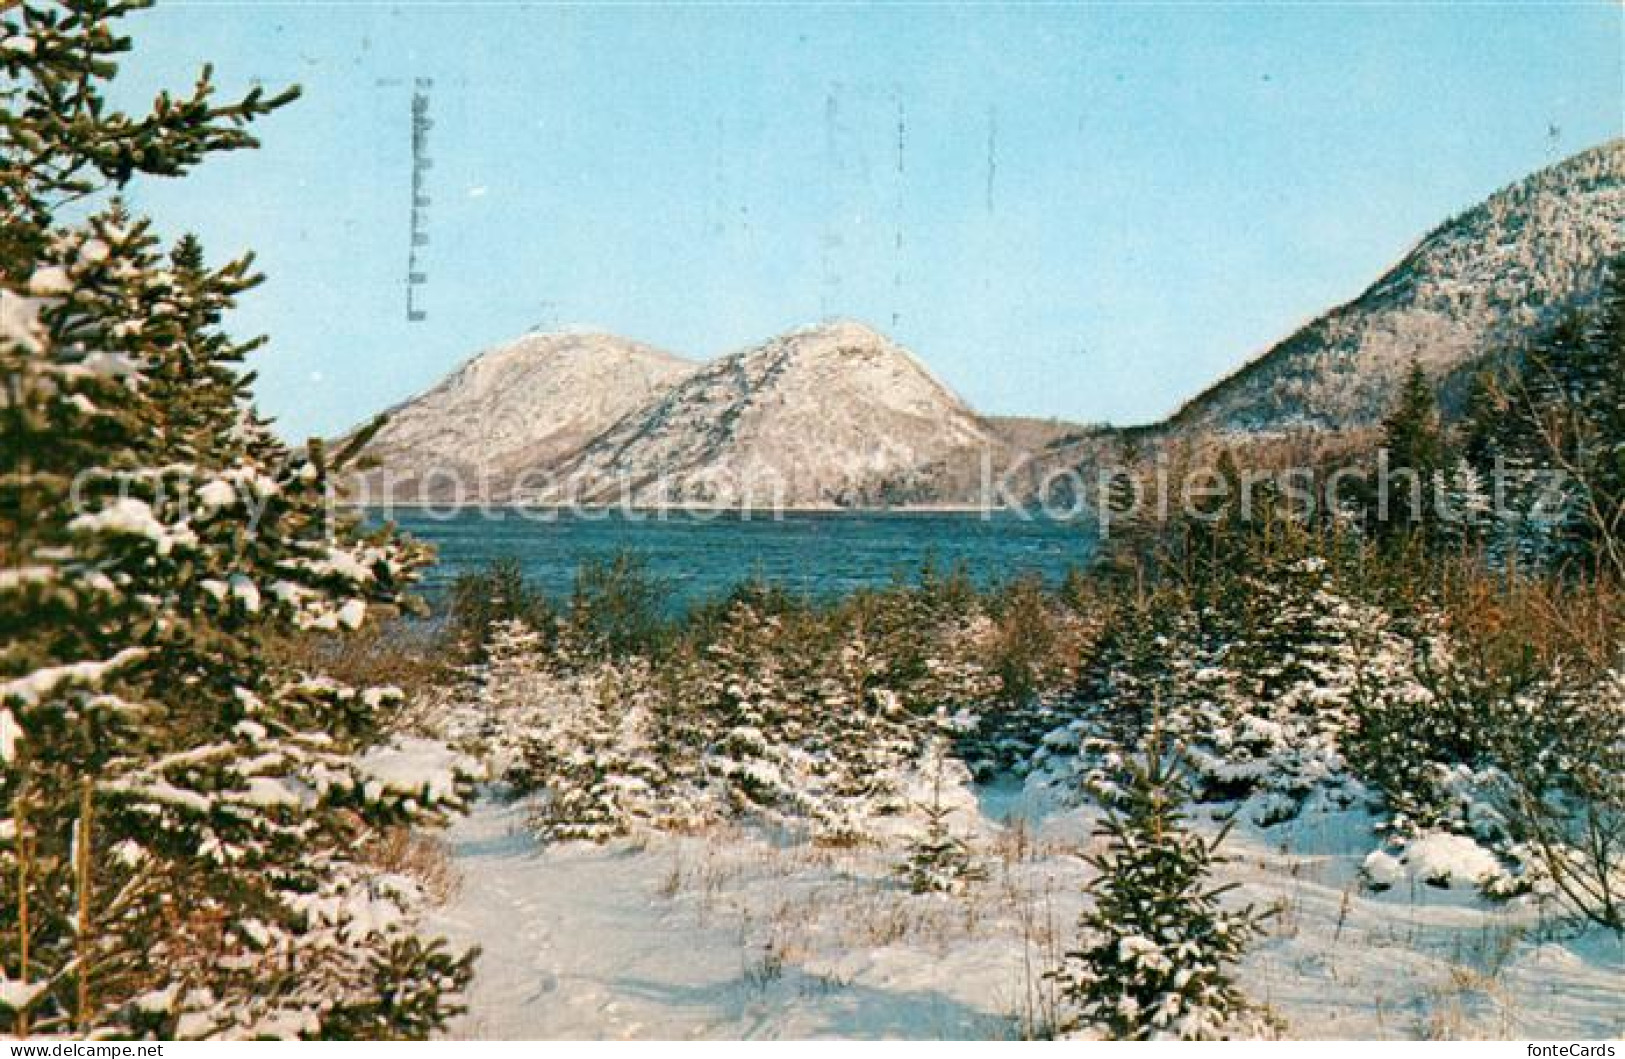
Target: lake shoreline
{"points": [[701, 555], [598, 511]]}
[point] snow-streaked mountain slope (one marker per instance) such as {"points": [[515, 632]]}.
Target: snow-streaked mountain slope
{"points": [[1484, 280], [834, 414], [514, 411]]}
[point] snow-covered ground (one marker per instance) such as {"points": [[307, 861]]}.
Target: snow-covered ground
{"points": [[730, 935]]}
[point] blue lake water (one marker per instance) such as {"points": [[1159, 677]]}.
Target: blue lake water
{"points": [[703, 555]]}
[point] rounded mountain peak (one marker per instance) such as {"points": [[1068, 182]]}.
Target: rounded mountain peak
{"points": [[842, 330], [536, 348]]}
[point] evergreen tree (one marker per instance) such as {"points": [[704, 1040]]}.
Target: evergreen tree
{"points": [[1284, 688], [1424, 725], [678, 736], [616, 608], [1125, 688], [1468, 514], [1552, 433], [939, 861], [598, 771], [1523, 530], [494, 711], [482, 600], [865, 740], [759, 729], [182, 818], [1155, 949], [1413, 455]]}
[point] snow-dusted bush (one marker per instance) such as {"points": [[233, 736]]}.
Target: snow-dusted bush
{"points": [[1563, 790], [1274, 704], [1425, 738], [1260, 688], [1126, 686], [813, 720], [808, 719]]}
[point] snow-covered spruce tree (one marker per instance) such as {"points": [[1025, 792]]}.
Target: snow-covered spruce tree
{"points": [[590, 748], [1426, 730], [1523, 531], [587, 733], [496, 704], [1551, 431], [757, 728], [679, 732], [1413, 454], [865, 737], [883, 673], [939, 859], [178, 845], [1126, 684], [1303, 657], [570, 730], [595, 767], [1468, 514], [1156, 948]]}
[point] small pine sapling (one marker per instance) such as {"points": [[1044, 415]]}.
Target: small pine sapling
{"points": [[1154, 951], [939, 861]]}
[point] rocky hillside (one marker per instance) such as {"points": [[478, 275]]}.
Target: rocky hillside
{"points": [[1483, 281], [830, 415], [513, 411]]}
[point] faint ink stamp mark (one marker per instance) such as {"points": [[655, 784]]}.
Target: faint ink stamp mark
{"points": [[416, 277]]}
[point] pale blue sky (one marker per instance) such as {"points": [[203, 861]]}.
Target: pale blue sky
{"points": [[1098, 208]]}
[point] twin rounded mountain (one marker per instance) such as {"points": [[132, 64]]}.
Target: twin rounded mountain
{"points": [[832, 415], [838, 415]]}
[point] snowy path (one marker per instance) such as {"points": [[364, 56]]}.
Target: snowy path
{"points": [[729, 937], [597, 942], [593, 965]]}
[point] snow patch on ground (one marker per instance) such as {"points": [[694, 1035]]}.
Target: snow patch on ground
{"points": [[1440, 860], [409, 765], [732, 935]]}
